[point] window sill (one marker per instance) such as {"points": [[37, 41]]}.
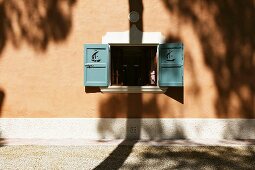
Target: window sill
{"points": [[133, 89]]}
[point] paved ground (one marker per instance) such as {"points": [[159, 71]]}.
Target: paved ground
{"points": [[117, 154]]}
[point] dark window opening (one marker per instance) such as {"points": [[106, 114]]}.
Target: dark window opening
{"points": [[133, 65]]}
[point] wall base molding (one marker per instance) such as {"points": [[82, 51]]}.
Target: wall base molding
{"points": [[120, 128]]}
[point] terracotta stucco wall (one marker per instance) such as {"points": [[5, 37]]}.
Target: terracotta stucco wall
{"points": [[41, 58]]}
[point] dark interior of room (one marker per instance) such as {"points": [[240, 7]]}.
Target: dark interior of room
{"points": [[133, 65]]}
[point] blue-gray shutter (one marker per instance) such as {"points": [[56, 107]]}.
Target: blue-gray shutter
{"points": [[96, 65], [171, 63]]}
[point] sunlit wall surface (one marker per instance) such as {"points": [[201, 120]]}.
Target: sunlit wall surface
{"points": [[41, 58]]}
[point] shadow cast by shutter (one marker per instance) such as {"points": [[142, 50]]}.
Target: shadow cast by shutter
{"points": [[92, 89], [176, 93]]}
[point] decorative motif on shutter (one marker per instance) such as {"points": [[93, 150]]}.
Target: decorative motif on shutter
{"points": [[96, 65], [171, 62]]}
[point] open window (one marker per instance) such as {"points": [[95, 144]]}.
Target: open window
{"points": [[120, 67], [133, 66]]}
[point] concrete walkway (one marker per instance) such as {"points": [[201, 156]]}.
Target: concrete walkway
{"points": [[118, 154]]}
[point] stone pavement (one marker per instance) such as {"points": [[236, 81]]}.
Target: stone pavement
{"points": [[118, 154]]}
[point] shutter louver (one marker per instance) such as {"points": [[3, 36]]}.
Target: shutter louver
{"points": [[171, 63], [96, 65]]}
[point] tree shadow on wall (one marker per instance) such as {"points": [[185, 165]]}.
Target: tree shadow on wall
{"points": [[225, 30], [35, 22], [133, 108], [130, 106], [119, 155]]}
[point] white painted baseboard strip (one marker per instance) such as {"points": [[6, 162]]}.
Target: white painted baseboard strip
{"points": [[120, 128]]}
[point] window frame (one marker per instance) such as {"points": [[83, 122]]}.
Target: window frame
{"points": [[133, 89]]}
